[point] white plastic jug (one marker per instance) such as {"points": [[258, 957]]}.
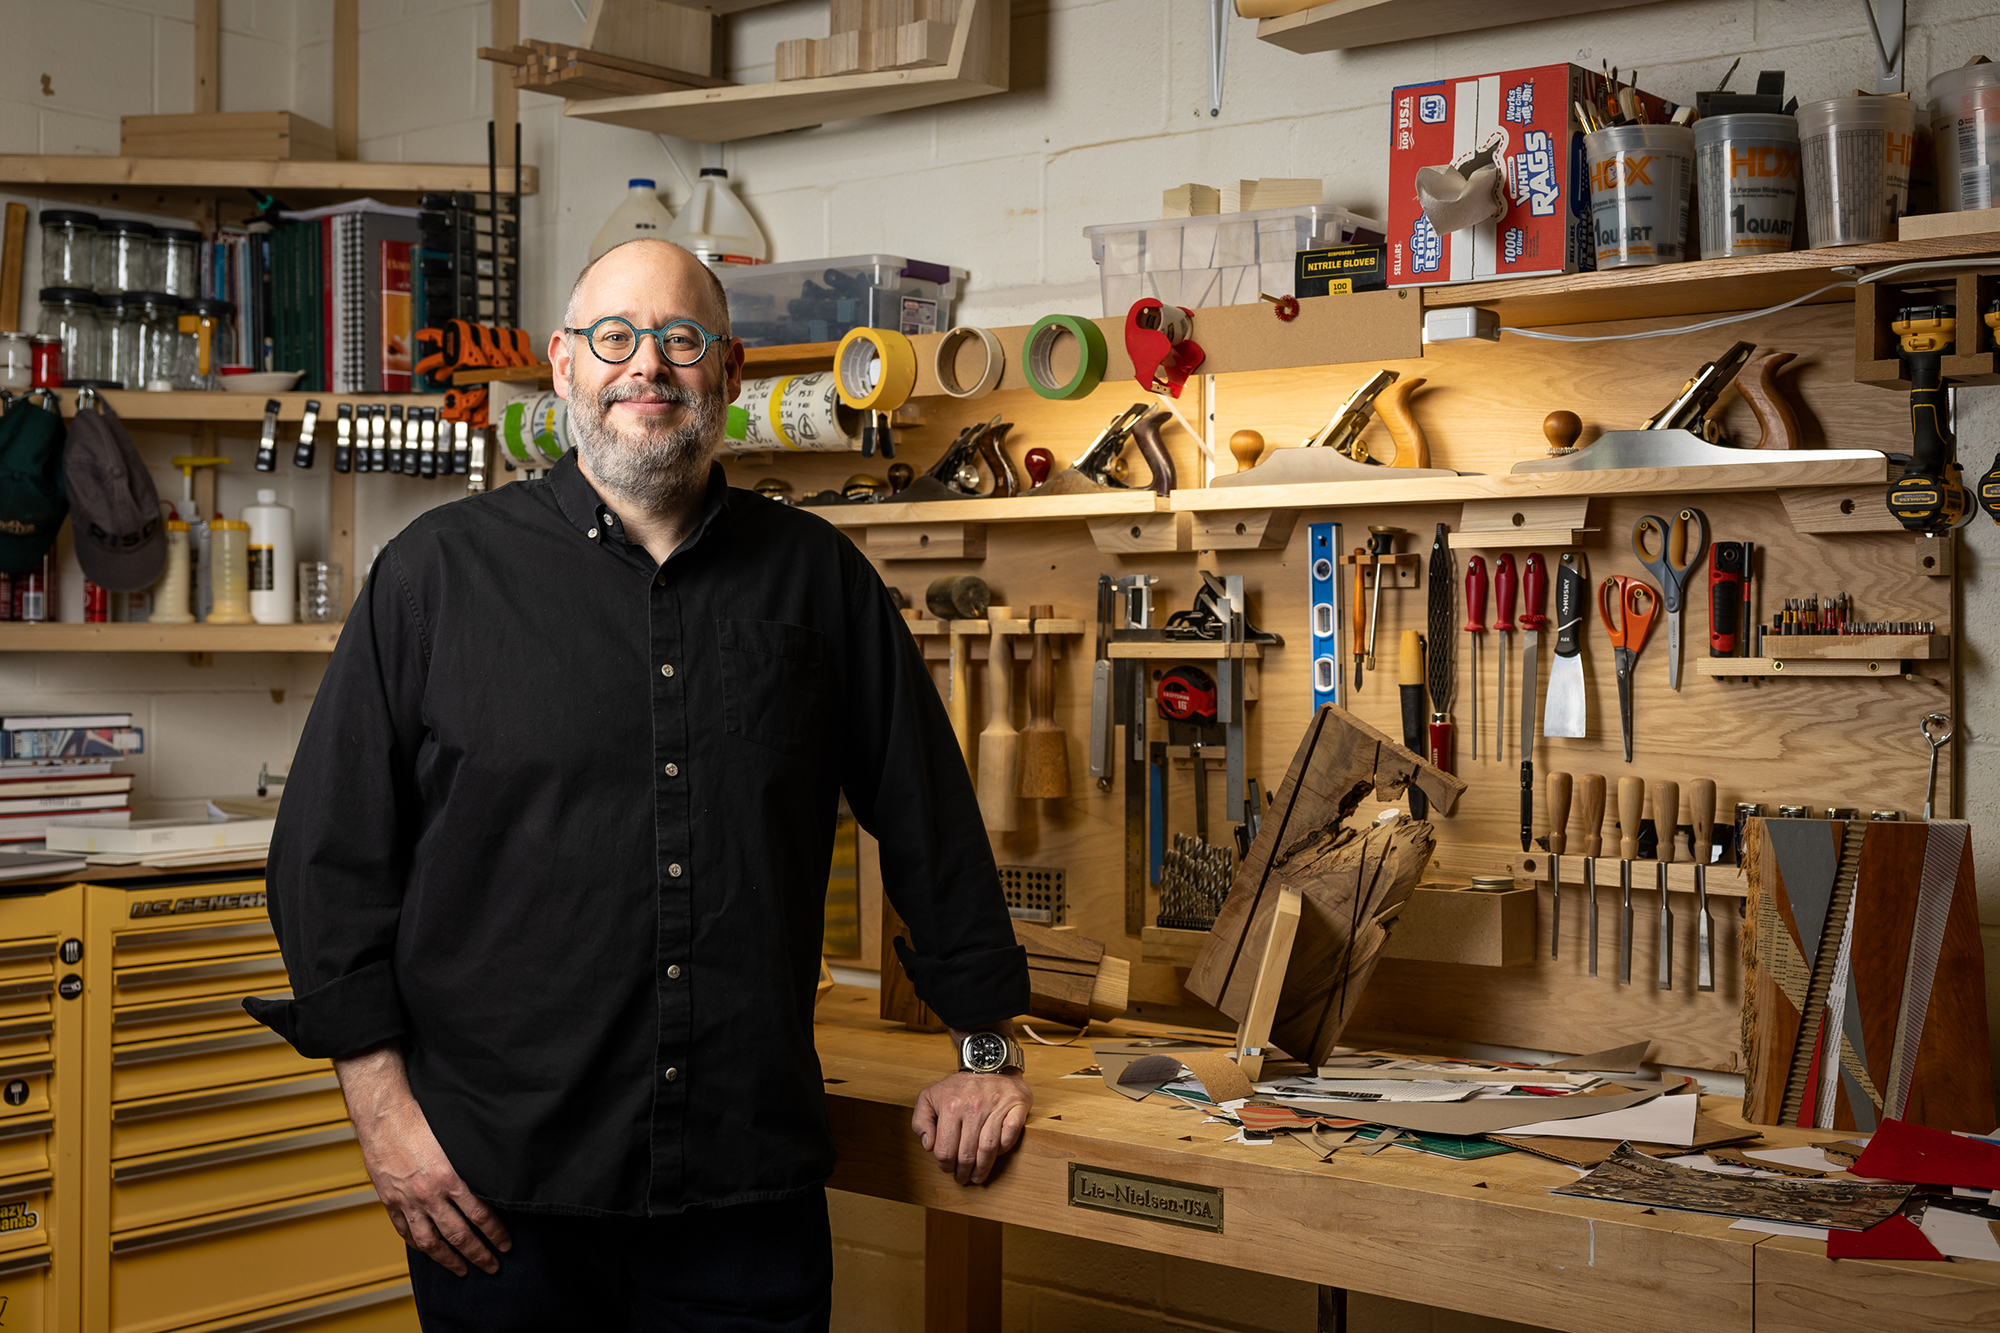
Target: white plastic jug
{"points": [[274, 589], [716, 226], [640, 216]]}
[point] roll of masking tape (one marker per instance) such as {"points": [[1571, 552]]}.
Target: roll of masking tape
{"points": [[876, 369], [796, 412], [947, 362], [1037, 355]]}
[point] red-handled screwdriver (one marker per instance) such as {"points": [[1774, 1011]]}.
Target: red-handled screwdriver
{"points": [[1475, 626], [1503, 623]]}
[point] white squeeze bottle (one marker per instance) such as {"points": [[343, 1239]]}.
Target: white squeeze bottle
{"points": [[715, 225], [639, 216], [274, 589]]}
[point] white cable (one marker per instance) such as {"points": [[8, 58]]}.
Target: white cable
{"points": [[582, 14], [674, 162]]}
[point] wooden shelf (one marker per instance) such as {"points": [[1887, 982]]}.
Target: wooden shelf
{"points": [[200, 405], [1856, 647], [787, 359], [1725, 667], [21, 637], [978, 66], [1724, 881], [143, 184], [1345, 24], [1699, 287], [510, 374], [1182, 650], [1018, 509]]}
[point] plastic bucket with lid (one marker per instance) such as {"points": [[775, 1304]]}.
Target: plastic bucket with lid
{"points": [[1965, 127], [1639, 176], [1747, 169], [1854, 161]]}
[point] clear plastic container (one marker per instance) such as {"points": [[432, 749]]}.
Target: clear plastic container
{"points": [[1747, 183], [1217, 259], [126, 256], [70, 316], [161, 345], [1639, 179], [180, 262], [715, 225], [124, 333], [319, 592], [69, 248], [1965, 130], [819, 300], [228, 572], [17, 361], [1855, 155], [170, 594], [639, 216]]}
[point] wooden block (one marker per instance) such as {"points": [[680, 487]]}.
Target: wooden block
{"points": [[657, 33], [1045, 942], [840, 53], [1280, 192], [1141, 534], [927, 541], [1443, 925], [1169, 946], [1817, 510], [797, 59], [230, 135], [1060, 997], [1243, 530], [1190, 201], [1255, 1032], [1555, 520], [1929, 226], [1110, 995], [911, 46], [846, 15]]}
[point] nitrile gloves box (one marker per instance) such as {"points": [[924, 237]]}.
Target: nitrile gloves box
{"points": [[1528, 113]]}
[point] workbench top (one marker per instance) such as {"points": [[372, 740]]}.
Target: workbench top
{"points": [[1483, 1236]]}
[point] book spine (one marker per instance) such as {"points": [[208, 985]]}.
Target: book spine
{"points": [[73, 742], [395, 359]]}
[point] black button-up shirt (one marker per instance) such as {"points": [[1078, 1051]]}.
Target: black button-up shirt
{"points": [[560, 824]]}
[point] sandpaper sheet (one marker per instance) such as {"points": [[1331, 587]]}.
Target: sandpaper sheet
{"points": [[1115, 1060], [1632, 1177], [1661, 1120]]}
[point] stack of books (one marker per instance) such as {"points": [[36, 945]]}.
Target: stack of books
{"points": [[59, 767]]}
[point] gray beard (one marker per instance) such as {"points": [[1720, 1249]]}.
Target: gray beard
{"points": [[660, 467]]}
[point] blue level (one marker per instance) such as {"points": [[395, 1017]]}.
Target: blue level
{"points": [[1323, 569]]}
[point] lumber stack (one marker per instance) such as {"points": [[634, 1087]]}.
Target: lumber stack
{"points": [[869, 35], [1071, 979], [561, 70]]}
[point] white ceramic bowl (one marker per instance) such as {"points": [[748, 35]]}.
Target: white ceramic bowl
{"points": [[262, 381]]}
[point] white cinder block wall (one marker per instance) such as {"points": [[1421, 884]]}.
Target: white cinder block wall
{"points": [[1108, 107]]}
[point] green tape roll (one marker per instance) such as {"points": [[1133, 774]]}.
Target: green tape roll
{"points": [[1037, 356]]}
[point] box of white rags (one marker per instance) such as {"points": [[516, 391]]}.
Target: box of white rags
{"points": [[1528, 115], [154, 836]]}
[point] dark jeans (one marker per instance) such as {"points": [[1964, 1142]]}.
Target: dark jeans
{"points": [[753, 1268]]}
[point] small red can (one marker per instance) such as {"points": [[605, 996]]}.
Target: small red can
{"points": [[47, 366], [96, 604]]}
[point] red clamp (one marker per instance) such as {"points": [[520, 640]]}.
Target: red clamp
{"points": [[1163, 356]]}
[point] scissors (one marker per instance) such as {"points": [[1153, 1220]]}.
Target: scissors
{"points": [[1636, 604], [1674, 562]]}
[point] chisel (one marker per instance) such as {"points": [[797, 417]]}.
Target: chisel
{"points": [[1410, 675], [1100, 757], [1360, 621], [1441, 666], [1559, 787], [1666, 817], [1701, 810], [1593, 847], [1631, 804], [1534, 597], [1503, 625], [1475, 629]]}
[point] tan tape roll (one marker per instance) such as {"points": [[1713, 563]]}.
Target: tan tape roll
{"points": [[876, 369], [947, 362]]}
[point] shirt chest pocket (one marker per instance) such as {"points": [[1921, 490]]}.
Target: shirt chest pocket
{"points": [[773, 683]]}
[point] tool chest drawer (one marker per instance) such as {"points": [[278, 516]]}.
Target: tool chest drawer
{"points": [[179, 1186], [143, 947], [258, 974], [379, 1307], [24, 1145], [185, 1018], [195, 1273], [24, 1293], [190, 1120], [24, 1214], [160, 1069]]}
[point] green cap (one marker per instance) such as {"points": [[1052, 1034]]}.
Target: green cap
{"points": [[32, 501]]}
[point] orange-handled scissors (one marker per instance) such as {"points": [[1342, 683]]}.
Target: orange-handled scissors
{"points": [[1635, 604]]}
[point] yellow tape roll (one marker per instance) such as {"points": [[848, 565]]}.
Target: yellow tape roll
{"points": [[875, 369], [947, 362]]}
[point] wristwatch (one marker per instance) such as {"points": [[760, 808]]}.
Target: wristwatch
{"points": [[990, 1053]]}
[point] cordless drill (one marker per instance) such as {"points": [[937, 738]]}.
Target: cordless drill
{"points": [[1989, 485], [1930, 496]]}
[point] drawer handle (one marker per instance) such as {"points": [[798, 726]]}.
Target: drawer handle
{"points": [[262, 1218], [241, 1152], [20, 990], [24, 1263], [27, 1069], [338, 1305], [28, 1185], [169, 976], [205, 1101], [14, 953], [148, 939], [21, 1129], [199, 1046], [166, 1013], [30, 1027]]}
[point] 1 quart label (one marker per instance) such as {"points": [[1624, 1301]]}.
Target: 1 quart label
{"points": [[1175, 1201]]}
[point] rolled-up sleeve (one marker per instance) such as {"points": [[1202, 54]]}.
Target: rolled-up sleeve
{"points": [[340, 857], [908, 786]]}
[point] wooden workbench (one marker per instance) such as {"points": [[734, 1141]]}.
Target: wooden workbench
{"points": [[1482, 1236]]}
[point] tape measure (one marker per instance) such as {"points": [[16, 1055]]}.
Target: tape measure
{"points": [[946, 362], [1186, 694], [1038, 356], [875, 369]]}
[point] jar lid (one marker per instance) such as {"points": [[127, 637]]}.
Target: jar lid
{"points": [[131, 226], [69, 295], [179, 234], [95, 384], [166, 299], [68, 217], [175, 525], [208, 305], [228, 525], [14, 335]]}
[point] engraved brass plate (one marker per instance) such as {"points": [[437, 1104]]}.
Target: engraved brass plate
{"points": [[1175, 1201]]}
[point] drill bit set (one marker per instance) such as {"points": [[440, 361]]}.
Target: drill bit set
{"points": [[1194, 879]]}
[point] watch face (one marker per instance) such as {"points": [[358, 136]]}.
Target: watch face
{"points": [[985, 1051]]}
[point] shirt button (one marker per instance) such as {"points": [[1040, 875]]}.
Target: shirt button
{"points": [[592, 532], [673, 770], [674, 870], [667, 669], [671, 1075], [674, 972]]}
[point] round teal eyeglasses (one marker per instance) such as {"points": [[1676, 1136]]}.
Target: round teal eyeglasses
{"points": [[681, 343]]}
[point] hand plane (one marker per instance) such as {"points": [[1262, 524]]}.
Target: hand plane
{"points": [[1097, 467], [1335, 451], [955, 476]]}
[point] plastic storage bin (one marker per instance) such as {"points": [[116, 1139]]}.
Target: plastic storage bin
{"points": [[1219, 259], [819, 300]]}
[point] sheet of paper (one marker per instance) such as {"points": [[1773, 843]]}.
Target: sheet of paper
{"points": [[1778, 1228], [1961, 1235], [1810, 1158], [1371, 1089], [1662, 1120]]}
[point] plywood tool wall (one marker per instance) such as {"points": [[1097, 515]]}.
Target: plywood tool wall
{"points": [[1816, 742]]}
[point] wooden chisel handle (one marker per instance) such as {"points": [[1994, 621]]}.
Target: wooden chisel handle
{"points": [[1412, 449], [1759, 386], [1593, 814], [1701, 812], [1666, 817], [1559, 789], [1631, 805]]}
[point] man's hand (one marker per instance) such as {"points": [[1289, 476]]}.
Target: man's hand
{"points": [[430, 1207], [969, 1120]]}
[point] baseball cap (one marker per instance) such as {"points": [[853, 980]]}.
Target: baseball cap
{"points": [[32, 503], [116, 527]]}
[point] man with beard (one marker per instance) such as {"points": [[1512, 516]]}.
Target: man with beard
{"points": [[550, 869]]}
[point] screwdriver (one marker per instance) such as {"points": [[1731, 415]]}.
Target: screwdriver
{"points": [[1631, 804], [1701, 809], [1503, 624], [1475, 626], [1666, 820], [1360, 621], [1593, 846], [1559, 785]]}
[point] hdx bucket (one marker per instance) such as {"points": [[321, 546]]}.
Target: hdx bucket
{"points": [[1639, 176], [1854, 160], [1747, 168]]}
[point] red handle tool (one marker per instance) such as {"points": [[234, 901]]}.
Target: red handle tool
{"points": [[1475, 595], [1503, 593], [1534, 594]]}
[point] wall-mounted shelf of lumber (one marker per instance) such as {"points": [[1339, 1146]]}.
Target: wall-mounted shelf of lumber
{"points": [[977, 66], [1723, 881], [134, 405], [787, 359], [561, 70], [509, 374], [1703, 286], [141, 184], [20, 637], [1345, 24], [1724, 667]]}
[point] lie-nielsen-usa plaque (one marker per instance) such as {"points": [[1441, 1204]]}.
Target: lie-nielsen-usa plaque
{"points": [[1175, 1201]]}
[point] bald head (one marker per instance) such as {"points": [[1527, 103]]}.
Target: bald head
{"points": [[641, 263]]}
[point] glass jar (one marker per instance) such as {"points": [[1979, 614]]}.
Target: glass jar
{"points": [[160, 344], [228, 572], [69, 248], [208, 329], [69, 315], [126, 256], [17, 354], [123, 321], [47, 358], [180, 262]]}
